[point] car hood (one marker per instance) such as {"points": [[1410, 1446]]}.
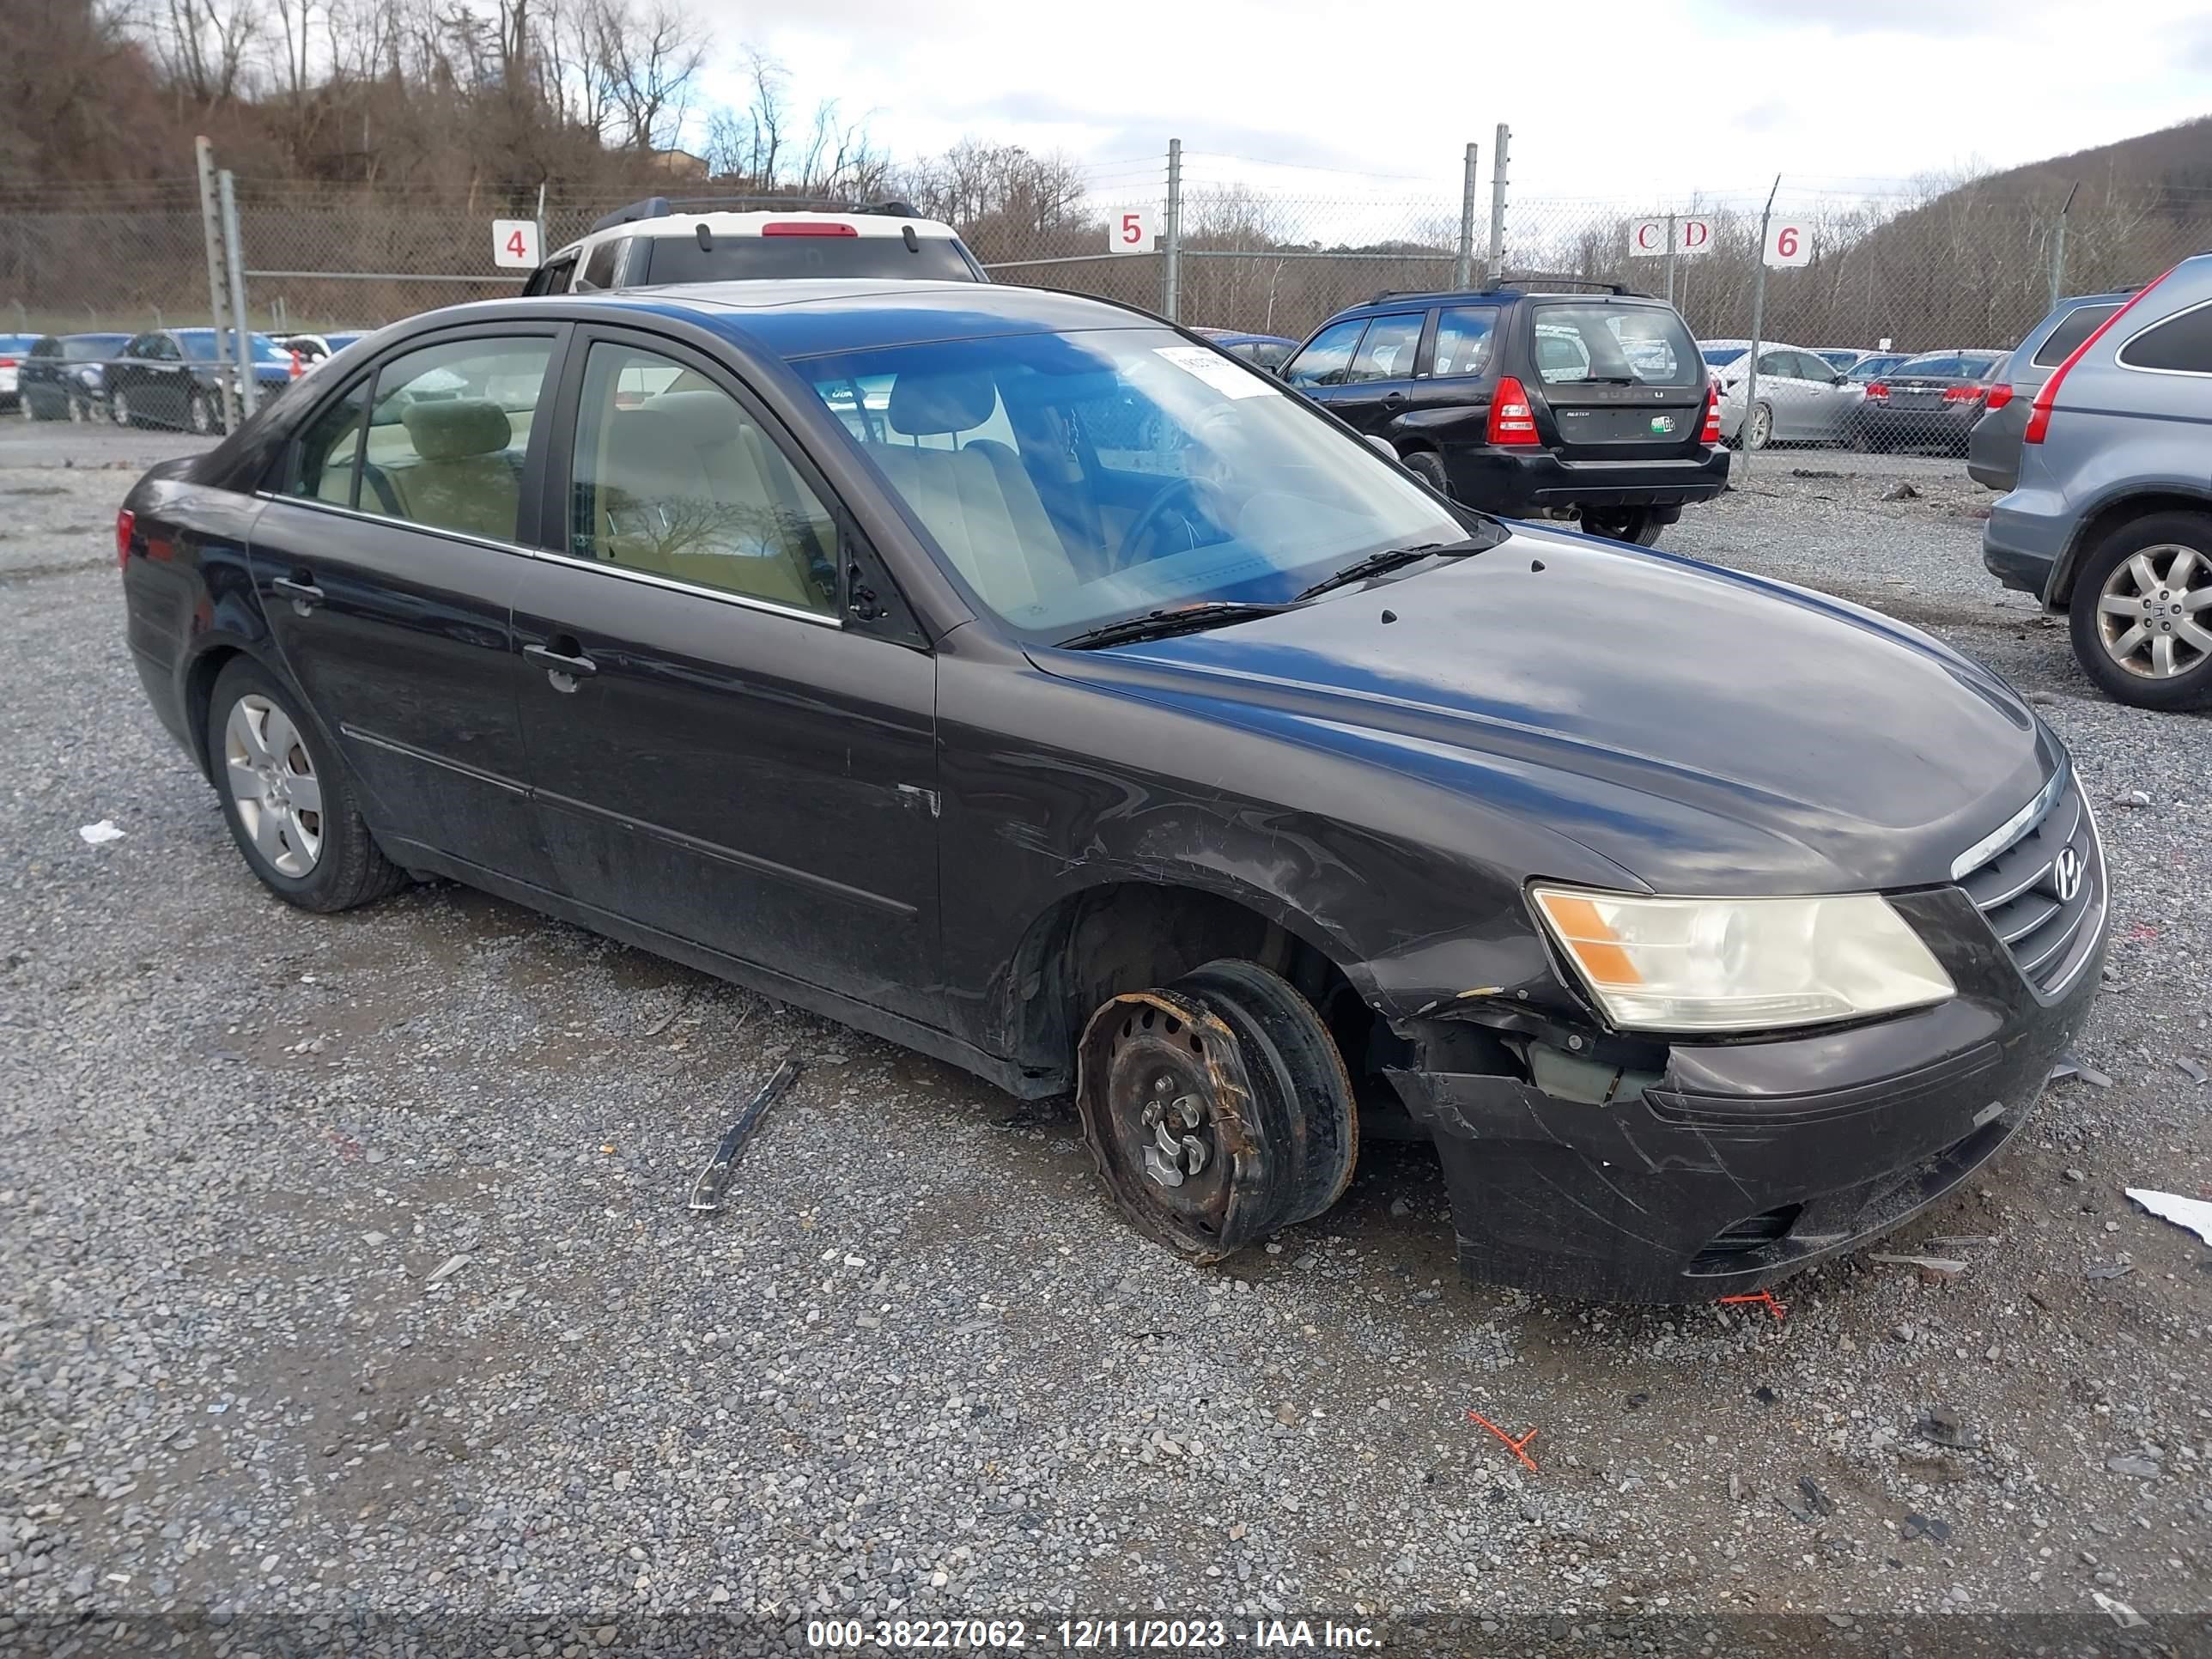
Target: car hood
{"points": [[1704, 731]]}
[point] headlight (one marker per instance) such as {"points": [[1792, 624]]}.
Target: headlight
{"points": [[1674, 964]]}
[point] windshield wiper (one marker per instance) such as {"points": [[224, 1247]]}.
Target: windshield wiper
{"points": [[1390, 559], [1160, 624]]}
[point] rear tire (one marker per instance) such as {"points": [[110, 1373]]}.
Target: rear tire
{"points": [[1430, 470], [2129, 619], [1637, 525], [1217, 1110], [200, 417], [119, 410], [289, 803], [1758, 426]]}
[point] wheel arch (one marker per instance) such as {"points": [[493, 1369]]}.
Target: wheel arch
{"points": [[2107, 516], [1130, 931]]}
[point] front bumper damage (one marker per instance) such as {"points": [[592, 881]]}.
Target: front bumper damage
{"points": [[1732, 1165]]}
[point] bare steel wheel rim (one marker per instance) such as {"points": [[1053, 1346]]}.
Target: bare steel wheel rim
{"points": [[2150, 611], [273, 783]]}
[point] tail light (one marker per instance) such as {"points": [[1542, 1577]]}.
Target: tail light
{"points": [[299, 367], [1876, 389], [1964, 394], [7, 362], [126, 522], [2000, 394], [1511, 420], [1711, 432], [2038, 412], [806, 227]]}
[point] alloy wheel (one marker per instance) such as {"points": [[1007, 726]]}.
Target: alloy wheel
{"points": [[200, 415], [1762, 427], [273, 784], [120, 408], [2150, 612]]}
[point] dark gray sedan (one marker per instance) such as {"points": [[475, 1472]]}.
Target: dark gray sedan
{"points": [[1933, 400]]}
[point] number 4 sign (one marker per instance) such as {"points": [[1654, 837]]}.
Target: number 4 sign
{"points": [[514, 244], [1788, 243], [1131, 230]]}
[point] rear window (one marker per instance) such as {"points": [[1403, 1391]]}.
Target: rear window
{"points": [[1614, 344], [2182, 344], [1951, 365], [681, 259], [1722, 356], [85, 351], [2077, 325]]}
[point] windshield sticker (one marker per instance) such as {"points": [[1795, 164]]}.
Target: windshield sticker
{"points": [[1216, 371]]}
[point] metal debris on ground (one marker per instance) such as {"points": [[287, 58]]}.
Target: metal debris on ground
{"points": [[1817, 1500], [99, 834], [446, 1269], [1935, 1267], [1901, 491], [2187, 1065], [1917, 1525], [2070, 1064], [2122, 1615], [1762, 1298], [1519, 1448], [1945, 1426], [2110, 1270], [707, 1190], [2194, 1213]]}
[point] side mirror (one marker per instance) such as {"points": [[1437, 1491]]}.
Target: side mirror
{"points": [[1839, 379], [1383, 446]]}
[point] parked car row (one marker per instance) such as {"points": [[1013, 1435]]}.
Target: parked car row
{"points": [[173, 377], [1867, 399]]}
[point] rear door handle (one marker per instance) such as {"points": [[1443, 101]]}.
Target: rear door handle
{"points": [[556, 662], [305, 595], [1393, 397]]}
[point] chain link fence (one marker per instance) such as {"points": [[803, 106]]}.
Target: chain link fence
{"points": [[1905, 269]]}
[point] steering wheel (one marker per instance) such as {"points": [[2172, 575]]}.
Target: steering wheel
{"points": [[1190, 488]]}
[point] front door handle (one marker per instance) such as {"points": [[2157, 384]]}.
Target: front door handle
{"points": [[304, 594], [557, 663]]}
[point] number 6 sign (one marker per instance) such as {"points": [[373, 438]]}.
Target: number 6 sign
{"points": [[1789, 244], [1131, 230], [514, 244]]}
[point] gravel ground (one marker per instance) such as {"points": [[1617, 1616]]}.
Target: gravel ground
{"points": [[346, 1267]]}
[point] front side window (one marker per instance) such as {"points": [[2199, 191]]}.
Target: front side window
{"points": [[1067, 480], [1387, 353], [1328, 356], [673, 478], [322, 463], [447, 433], [1463, 335]]}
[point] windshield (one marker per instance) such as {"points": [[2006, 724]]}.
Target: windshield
{"points": [[1072, 479], [90, 348], [1722, 356], [680, 259], [199, 346]]}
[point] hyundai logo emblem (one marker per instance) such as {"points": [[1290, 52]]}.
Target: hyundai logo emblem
{"points": [[2066, 874]]}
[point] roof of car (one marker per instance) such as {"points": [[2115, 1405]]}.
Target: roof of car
{"points": [[804, 317], [754, 223]]}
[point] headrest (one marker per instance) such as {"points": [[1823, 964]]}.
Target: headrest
{"points": [[451, 429], [926, 404], [699, 417]]}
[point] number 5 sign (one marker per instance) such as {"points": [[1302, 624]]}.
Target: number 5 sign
{"points": [[514, 244], [1789, 244], [1131, 230]]}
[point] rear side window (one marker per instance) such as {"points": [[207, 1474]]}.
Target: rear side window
{"points": [[2182, 344], [600, 265], [681, 259], [1328, 356], [322, 463], [1387, 353], [1463, 335], [447, 433], [1615, 344], [2076, 326]]}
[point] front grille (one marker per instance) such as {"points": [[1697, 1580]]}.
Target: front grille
{"points": [[2022, 892]]}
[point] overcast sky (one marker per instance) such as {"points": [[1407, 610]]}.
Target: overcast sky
{"points": [[1605, 99]]}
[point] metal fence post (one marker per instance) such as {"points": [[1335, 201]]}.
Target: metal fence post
{"points": [[211, 231], [1463, 273], [2058, 246], [1758, 317], [1670, 259], [1498, 201], [249, 394], [1171, 239]]}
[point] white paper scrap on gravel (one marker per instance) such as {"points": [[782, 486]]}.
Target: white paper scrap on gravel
{"points": [[2194, 1213], [99, 834]]}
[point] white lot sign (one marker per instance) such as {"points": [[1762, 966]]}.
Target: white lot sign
{"points": [[1788, 243], [514, 244], [1647, 238], [1131, 230]]}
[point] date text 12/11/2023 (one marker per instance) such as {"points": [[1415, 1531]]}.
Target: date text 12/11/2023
{"points": [[1011, 1635]]}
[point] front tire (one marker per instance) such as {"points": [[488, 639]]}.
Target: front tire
{"points": [[119, 411], [1217, 1110], [2141, 614], [289, 806]]}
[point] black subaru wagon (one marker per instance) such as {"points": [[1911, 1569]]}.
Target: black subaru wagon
{"points": [[1016, 677]]}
